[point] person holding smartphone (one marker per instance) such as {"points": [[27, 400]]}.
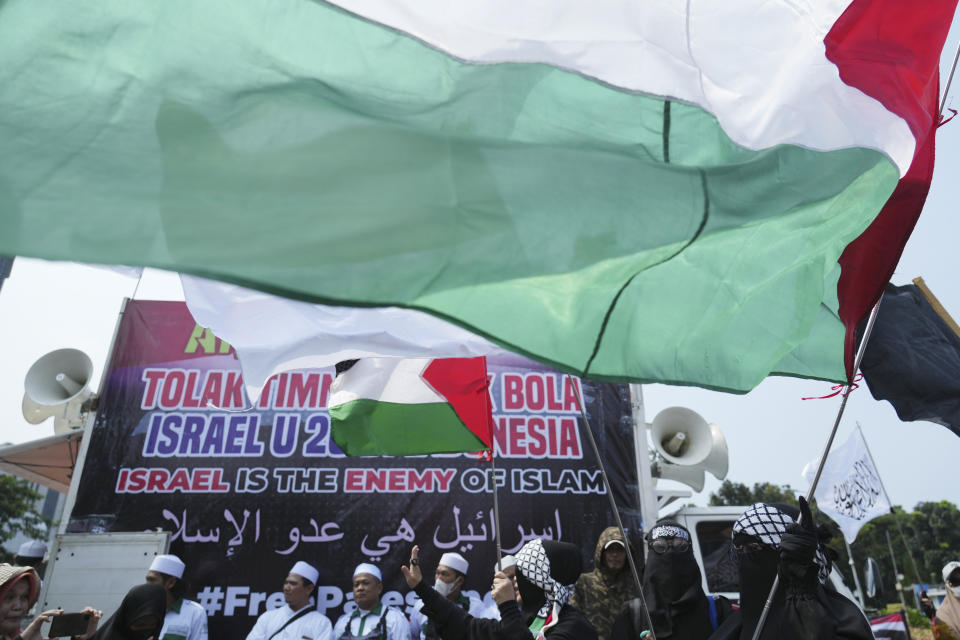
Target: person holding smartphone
{"points": [[19, 588]]}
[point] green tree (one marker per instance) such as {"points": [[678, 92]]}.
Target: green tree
{"points": [[17, 515], [739, 494], [871, 542], [933, 530]]}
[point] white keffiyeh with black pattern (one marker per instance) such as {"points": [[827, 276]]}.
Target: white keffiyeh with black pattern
{"points": [[533, 563], [768, 524]]}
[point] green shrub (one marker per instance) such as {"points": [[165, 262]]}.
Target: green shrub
{"points": [[916, 618]]}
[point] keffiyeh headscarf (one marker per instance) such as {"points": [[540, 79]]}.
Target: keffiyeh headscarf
{"points": [[768, 523], [535, 565]]}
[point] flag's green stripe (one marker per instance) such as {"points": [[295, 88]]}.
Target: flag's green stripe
{"points": [[375, 428], [307, 152]]}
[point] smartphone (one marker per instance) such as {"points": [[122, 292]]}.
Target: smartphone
{"points": [[69, 624]]}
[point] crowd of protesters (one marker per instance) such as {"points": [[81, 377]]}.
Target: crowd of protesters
{"points": [[540, 593]]}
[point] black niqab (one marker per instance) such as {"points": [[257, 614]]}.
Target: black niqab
{"points": [[141, 601], [757, 572], [673, 591]]}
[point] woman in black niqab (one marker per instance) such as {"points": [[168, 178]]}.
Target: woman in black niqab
{"points": [[673, 591], [673, 587], [140, 616], [770, 542]]}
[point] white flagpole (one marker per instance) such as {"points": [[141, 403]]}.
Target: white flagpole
{"points": [[823, 458], [946, 90]]}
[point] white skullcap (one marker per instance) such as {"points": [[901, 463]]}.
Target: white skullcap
{"points": [[305, 570], [168, 564], [505, 563], [32, 549], [949, 568], [455, 561], [366, 567]]}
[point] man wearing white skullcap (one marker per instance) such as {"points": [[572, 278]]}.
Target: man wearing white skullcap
{"points": [[298, 618], [449, 578], [30, 554], [185, 619], [507, 564], [371, 620]]}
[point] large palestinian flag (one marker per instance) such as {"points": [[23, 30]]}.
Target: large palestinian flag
{"points": [[633, 190]]}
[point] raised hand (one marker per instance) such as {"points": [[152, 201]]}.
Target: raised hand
{"points": [[411, 572], [502, 589], [32, 632], [798, 548], [799, 543], [95, 615]]}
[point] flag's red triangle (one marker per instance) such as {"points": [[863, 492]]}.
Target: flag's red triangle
{"points": [[464, 383]]}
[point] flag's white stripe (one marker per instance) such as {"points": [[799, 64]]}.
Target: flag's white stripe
{"points": [[273, 334], [394, 380], [889, 626], [760, 66]]}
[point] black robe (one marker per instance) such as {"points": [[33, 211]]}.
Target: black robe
{"points": [[803, 609], [674, 594], [453, 623], [141, 601]]}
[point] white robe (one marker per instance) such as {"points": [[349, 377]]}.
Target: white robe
{"points": [[312, 626], [185, 620], [397, 626]]}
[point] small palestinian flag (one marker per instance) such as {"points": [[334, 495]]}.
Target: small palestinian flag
{"points": [[398, 406], [891, 627]]}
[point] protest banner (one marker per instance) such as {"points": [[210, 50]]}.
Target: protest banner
{"points": [[248, 487]]}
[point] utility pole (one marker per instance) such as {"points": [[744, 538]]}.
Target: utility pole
{"points": [[649, 509], [896, 572], [856, 576]]}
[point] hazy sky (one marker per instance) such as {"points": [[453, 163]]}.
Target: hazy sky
{"points": [[771, 432]]}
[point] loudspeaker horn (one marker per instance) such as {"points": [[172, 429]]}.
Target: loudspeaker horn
{"points": [[718, 462], [35, 413], [693, 477], [56, 385], [681, 436]]}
